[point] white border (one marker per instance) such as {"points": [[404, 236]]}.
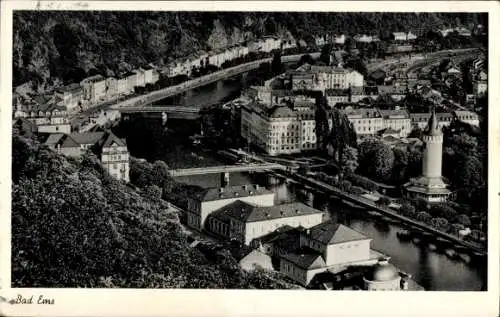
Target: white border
{"points": [[88, 302]]}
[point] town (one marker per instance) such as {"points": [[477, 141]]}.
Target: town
{"points": [[367, 123]]}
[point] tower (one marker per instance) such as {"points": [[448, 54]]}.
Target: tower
{"points": [[430, 185]]}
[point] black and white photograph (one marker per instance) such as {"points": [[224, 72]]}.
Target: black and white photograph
{"points": [[238, 150]]}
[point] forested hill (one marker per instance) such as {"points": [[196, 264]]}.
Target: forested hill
{"points": [[52, 46], [75, 226]]}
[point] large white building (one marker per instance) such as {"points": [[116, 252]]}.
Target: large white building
{"points": [[366, 121], [336, 77], [278, 129], [327, 246], [398, 120], [245, 222], [200, 206]]}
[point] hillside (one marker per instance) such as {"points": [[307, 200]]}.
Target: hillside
{"points": [[74, 226], [50, 47]]}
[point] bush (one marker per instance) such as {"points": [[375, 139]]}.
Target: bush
{"points": [[362, 182], [407, 209], [463, 219], [383, 201], [444, 211]]}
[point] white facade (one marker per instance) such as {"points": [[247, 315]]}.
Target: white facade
{"points": [[198, 211], [115, 159]]}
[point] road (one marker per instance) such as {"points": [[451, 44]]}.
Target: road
{"points": [[418, 59]]}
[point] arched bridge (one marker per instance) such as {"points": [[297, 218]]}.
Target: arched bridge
{"points": [[226, 169]]}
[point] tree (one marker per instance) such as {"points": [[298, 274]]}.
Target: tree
{"points": [[321, 118], [153, 192], [463, 219], [276, 65], [455, 228], [349, 160], [400, 165], [345, 185], [383, 202], [439, 223], [325, 54], [341, 134], [407, 209], [383, 162], [423, 216], [444, 211]]}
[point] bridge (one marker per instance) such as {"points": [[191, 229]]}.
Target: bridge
{"points": [[170, 91], [226, 169], [361, 201], [174, 112]]}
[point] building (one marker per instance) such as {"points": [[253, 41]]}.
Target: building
{"points": [[45, 114], [468, 117], [303, 81], [280, 129], [357, 94], [244, 222], [398, 120], [122, 86], [399, 36], [430, 186], [480, 87], [94, 88], [72, 97], [151, 76], [329, 77], [111, 150], [335, 96], [366, 121], [410, 36], [140, 77], [327, 246], [111, 87], [397, 92], [383, 276], [444, 119], [201, 205], [339, 39], [363, 38]]}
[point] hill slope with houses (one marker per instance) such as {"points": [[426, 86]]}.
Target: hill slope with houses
{"points": [[54, 48]]}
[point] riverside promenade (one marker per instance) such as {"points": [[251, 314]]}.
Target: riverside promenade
{"points": [[361, 201], [158, 95]]}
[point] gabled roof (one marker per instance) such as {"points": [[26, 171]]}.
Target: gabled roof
{"points": [[54, 138], [306, 258], [334, 233], [247, 212], [211, 194]]}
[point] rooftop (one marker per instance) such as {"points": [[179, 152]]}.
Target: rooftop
{"points": [[395, 114], [211, 194], [306, 258], [247, 212], [334, 233]]}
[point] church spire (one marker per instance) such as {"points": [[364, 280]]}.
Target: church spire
{"points": [[433, 126]]}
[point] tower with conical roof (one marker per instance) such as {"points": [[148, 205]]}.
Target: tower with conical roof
{"points": [[430, 185]]}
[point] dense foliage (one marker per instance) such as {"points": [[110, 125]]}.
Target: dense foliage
{"points": [[75, 226], [52, 46]]}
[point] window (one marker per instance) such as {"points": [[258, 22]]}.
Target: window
{"points": [[115, 166]]}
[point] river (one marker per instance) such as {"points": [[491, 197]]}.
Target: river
{"points": [[432, 270]]}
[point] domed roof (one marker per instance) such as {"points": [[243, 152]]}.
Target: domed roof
{"points": [[382, 271]]}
